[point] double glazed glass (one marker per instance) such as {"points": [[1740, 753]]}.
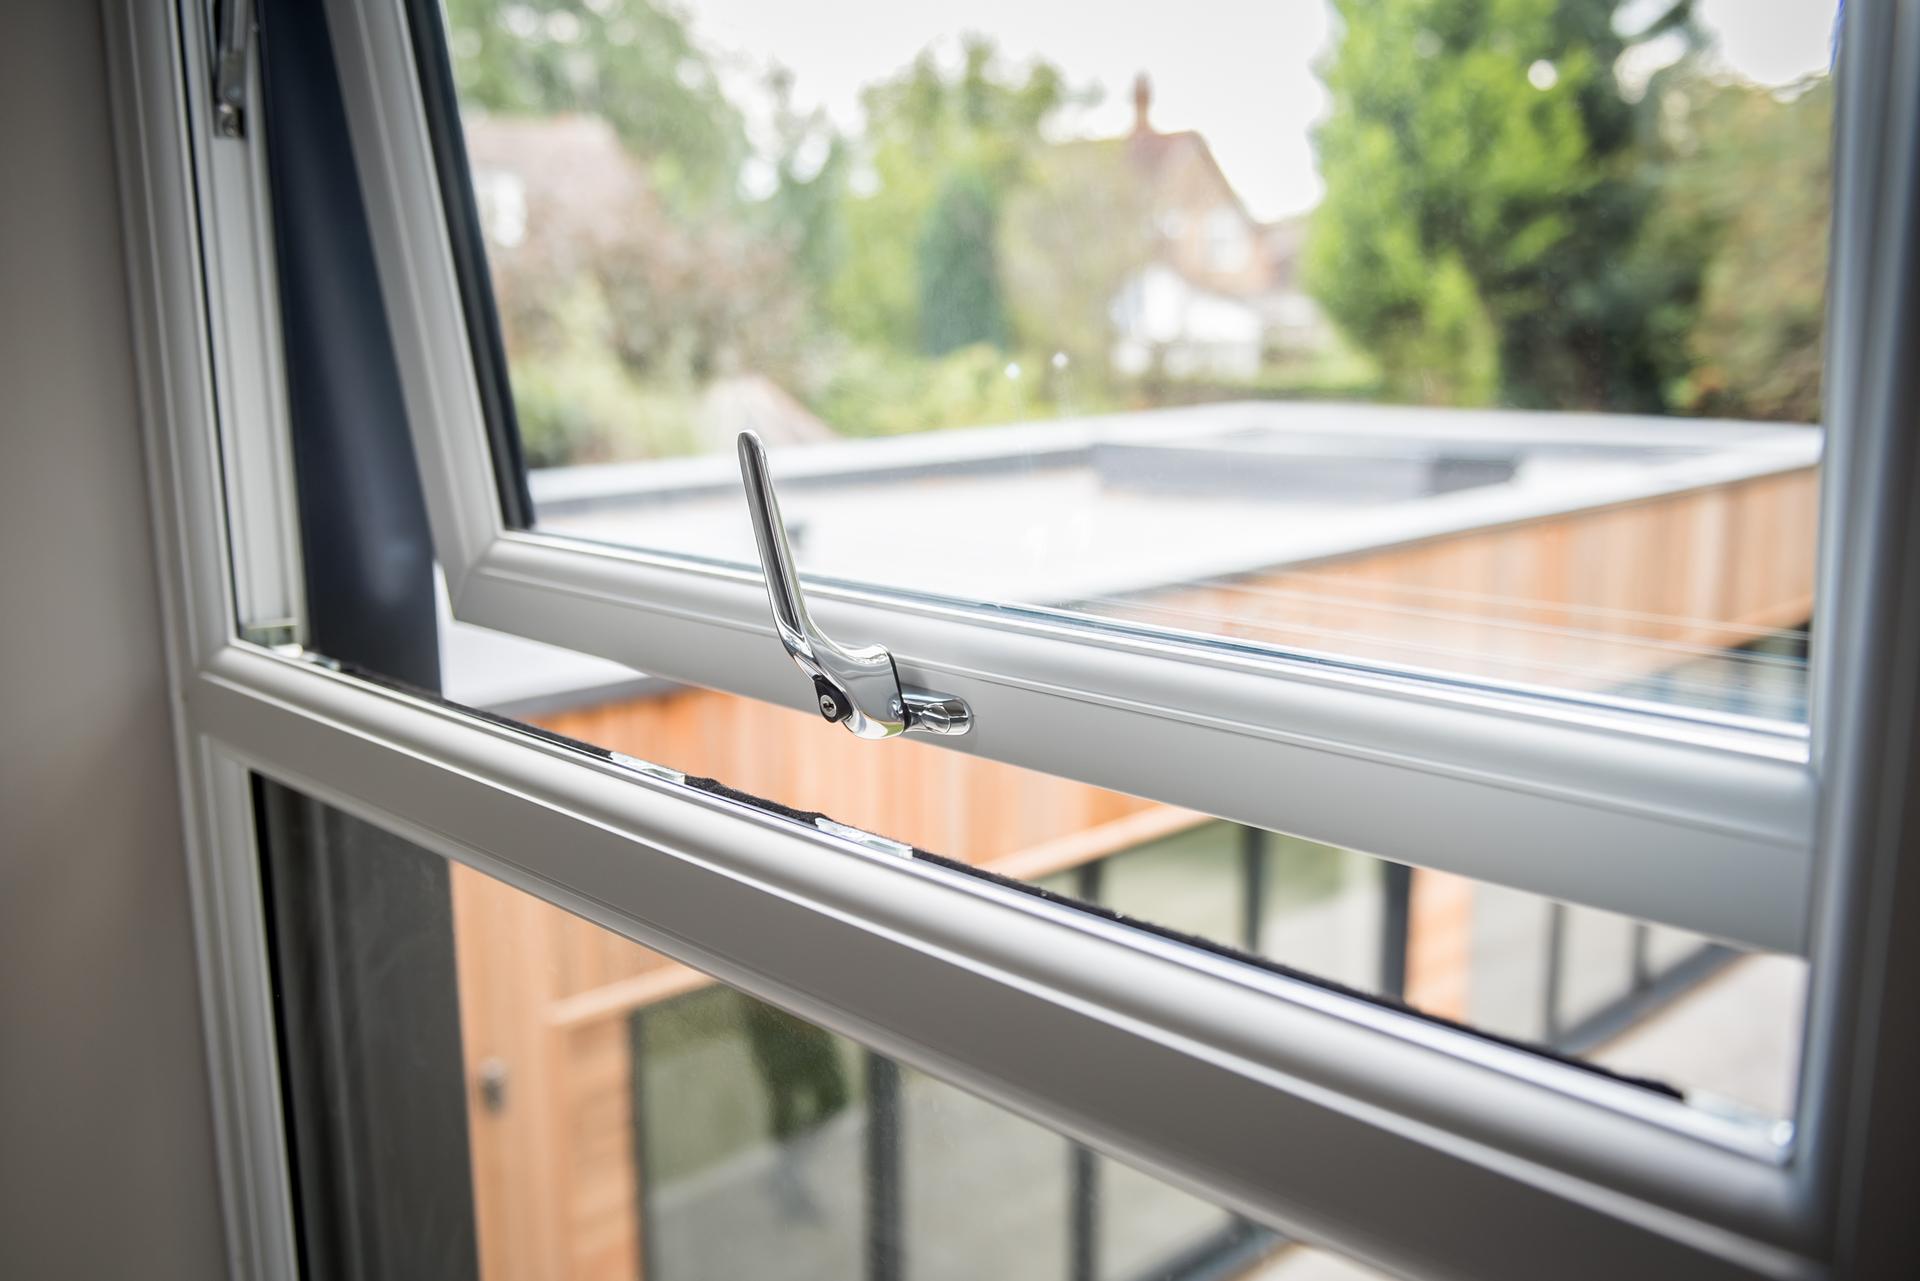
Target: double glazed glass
{"points": [[1395, 335]]}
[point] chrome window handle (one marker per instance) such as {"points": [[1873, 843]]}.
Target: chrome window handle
{"points": [[857, 687]]}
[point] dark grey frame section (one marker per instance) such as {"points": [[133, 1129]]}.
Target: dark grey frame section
{"points": [[885, 1167], [361, 950], [360, 935]]}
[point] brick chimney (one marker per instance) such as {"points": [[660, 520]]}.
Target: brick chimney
{"points": [[1142, 103]]}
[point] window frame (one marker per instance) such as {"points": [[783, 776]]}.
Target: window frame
{"points": [[1461, 1138]]}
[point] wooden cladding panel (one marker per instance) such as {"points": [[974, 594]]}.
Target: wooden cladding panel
{"points": [[603, 1187], [1587, 600], [505, 947], [1439, 943]]}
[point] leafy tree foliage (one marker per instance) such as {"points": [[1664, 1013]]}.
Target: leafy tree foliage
{"points": [[941, 152], [958, 267], [810, 162], [1072, 235], [620, 307], [1482, 233], [1503, 224], [632, 63], [1754, 165]]}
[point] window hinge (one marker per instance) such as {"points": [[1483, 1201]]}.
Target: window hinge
{"points": [[858, 688], [233, 36]]}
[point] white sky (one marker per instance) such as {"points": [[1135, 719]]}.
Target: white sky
{"points": [[1239, 72]]}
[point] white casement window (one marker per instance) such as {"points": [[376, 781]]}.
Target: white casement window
{"points": [[1217, 609]]}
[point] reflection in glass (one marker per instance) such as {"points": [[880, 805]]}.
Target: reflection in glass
{"points": [[985, 1193], [751, 1131]]}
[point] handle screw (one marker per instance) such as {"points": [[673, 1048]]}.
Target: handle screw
{"points": [[829, 708]]}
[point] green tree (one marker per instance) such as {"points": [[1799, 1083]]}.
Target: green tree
{"points": [[1755, 165], [1482, 231], [958, 268], [810, 161], [642, 273], [632, 62], [942, 150], [1072, 235]]}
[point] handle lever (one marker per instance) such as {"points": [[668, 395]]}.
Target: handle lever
{"points": [[858, 687]]}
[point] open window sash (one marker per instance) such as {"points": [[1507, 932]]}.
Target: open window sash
{"points": [[1693, 823]]}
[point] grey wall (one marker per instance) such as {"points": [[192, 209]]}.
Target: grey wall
{"points": [[106, 1154]]}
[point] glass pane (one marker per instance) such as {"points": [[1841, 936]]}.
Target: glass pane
{"points": [[1596, 959], [752, 1131], [1196, 882], [1320, 908], [579, 1108], [967, 1164], [1148, 1229], [1415, 334], [1509, 967], [1645, 1000]]}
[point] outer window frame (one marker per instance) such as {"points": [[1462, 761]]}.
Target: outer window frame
{"points": [[1649, 816], [1461, 1140]]}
